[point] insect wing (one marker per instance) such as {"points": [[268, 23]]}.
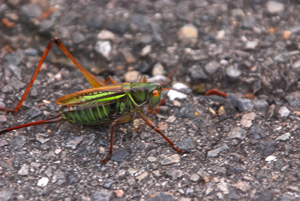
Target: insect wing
{"points": [[88, 96]]}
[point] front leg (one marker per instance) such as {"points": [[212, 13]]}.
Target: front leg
{"points": [[122, 119], [151, 124]]}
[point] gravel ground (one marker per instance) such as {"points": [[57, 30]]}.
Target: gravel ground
{"points": [[242, 147]]}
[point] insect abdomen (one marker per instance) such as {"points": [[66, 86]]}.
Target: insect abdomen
{"points": [[88, 115]]}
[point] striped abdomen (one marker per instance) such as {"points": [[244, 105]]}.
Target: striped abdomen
{"points": [[96, 113]]}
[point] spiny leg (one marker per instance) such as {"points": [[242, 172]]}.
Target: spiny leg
{"points": [[120, 120], [111, 79], [93, 80], [143, 79], [151, 124], [156, 110]]}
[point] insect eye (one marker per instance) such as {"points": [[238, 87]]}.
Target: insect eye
{"points": [[155, 93]]}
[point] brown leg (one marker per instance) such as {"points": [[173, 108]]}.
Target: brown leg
{"points": [[156, 110], [120, 120], [151, 124], [143, 79], [93, 80], [109, 78]]}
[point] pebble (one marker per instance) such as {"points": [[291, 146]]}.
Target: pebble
{"points": [[266, 147], [222, 186], [3, 118], [197, 73], [119, 155], [104, 48], [3, 143], [187, 111], [131, 76], [77, 38], [256, 132], [247, 119], [59, 177], [43, 182], [17, 143], [42, 138], [34, 112], [13, 58], [212, 67], [156, 32], [174, 173], [95, 19], [293, 98], [142, 176], [186, 144], [151, 159], [119, 193], [24, 170], [146, 50], [232, 73], [216, 152], [31, 52], [237, 133], [232, 195], [73, 141], [284, 112], [30, 11], [47, 25], [16, 71], [139, 20], [185, 199], [188, 32], [170, 119], [261, 105], [72, 179], [243, 186], [158, 69], [266, 195], [162, 196], [283, 137], [106, 35], [296, 64], [274, 7], [102, 195], [282, 58], [128, 56], [6, 194], [146, 39], [170, 159], [172, 94], [107, 184], [7, 89], [157, 79], [251, 45], [270, 158], [119, 27], [182, 10], [194, 177]]}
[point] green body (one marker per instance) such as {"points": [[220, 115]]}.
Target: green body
{"points": [[101, 106]]}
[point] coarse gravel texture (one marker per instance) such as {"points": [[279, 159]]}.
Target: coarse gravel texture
{"points": [[242, 147]]}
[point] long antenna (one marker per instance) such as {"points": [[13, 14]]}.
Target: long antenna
{"points": [[177, 66]]}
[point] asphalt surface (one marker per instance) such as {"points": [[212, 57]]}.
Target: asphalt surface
{"points": [[244, 146]]}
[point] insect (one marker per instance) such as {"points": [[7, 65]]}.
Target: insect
{"points": [[102, 104]]}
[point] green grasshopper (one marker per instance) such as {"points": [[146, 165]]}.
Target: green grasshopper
{"points": [[102, 104]]}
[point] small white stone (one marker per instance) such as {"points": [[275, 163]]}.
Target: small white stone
{"points": [[270, 158], [146, 50], [43, 182], [104, 48], [175, 94], [106, 35]]}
